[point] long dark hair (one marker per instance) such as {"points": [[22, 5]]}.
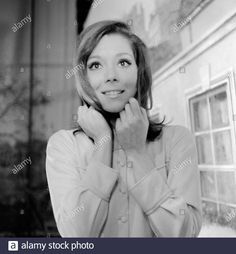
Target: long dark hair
{"points": [[86, 43]]}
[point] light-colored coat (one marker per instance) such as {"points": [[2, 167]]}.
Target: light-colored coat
{"points": [[90, 199]]}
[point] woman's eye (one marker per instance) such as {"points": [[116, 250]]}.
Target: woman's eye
{"points": [[94, 66], [124, 62]]}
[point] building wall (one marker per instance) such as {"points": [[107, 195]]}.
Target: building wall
{"points": [[206, 20], [190, 68], [55, 101], [54, 47], [55, 38], [208, 61]]}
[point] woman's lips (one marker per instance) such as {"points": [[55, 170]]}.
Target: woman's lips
{"points": [[113, 93]]}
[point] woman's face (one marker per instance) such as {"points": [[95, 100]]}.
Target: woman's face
{"points": [[112, 72]]}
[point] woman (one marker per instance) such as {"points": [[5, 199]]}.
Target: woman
{"points": [[121, 174]]}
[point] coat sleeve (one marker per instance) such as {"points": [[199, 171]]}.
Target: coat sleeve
{"points": [[173, 205], [79, 201]]}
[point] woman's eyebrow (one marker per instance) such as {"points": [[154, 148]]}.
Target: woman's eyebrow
{"points": [[122, 53]]}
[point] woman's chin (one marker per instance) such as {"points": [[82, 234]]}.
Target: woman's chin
{"points": [[114, 109]]}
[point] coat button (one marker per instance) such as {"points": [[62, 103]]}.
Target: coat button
{"points": [[122, 191], [121, 158], [123, 219], [121, 163], [129, 164]]}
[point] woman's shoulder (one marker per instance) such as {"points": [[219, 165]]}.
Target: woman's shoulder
{"points": [[176, 129], [62, 137], [174, 133]]}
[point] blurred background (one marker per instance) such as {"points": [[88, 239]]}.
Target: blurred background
{"points": [[192, 46]]}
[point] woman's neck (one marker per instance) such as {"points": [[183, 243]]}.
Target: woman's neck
{"points": [[111, 117], [113, 123]]}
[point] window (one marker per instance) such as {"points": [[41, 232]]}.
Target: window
{"points": [[212, 123]]}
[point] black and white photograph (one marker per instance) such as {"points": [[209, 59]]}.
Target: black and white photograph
{"points": [[118, 118]]}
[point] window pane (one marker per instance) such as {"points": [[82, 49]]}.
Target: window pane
{"points": [[208, 185], [223, 147], [204, 149], [227, 215], [226, 186], [200, 115], [209, 210], [219, 110]]}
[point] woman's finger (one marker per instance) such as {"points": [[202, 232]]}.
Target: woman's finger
{"points": [[123, 118], [144, 113], [81, 113], [134, 105], [118, 124], [129, 112], [78, 114]]}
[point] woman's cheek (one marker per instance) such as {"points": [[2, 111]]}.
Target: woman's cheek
{"points": [[94, 80], [131, 81]]}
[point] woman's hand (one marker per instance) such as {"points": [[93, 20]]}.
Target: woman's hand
{"points": [[132, 127], [92, 122]]}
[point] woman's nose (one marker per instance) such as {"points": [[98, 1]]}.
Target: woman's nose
{"points": [[111, 74]]}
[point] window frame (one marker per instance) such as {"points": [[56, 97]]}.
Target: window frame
{"points": [[208, 87]]}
